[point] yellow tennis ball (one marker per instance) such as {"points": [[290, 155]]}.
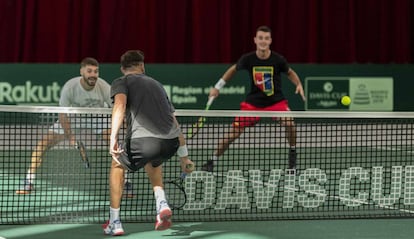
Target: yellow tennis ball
{"points": [[346, 100]]}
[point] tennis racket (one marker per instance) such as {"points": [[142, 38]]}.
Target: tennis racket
{"points": [[193, 130], [175, 191], [82, 151]]}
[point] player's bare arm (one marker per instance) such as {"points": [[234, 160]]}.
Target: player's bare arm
{"points": [[118, 113], [294, 78], [183, 153]]}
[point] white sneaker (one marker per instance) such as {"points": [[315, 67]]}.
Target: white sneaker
{"points": [[114, 229], [163, 220]]}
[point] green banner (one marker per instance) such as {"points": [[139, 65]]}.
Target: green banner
{"points": [[366, 93], [188, 85]]}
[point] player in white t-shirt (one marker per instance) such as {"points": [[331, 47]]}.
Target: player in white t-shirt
{"points": [[87, 90]]}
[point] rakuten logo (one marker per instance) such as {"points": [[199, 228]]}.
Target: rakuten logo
{"points": [[29, 93]]}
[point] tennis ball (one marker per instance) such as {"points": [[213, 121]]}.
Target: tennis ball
{"points": [[346, 100]]}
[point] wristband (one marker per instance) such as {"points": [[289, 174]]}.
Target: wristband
{"points": [[182, 151], [220, 84]]}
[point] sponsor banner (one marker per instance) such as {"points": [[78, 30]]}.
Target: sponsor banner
{"points": [[371, 94], [382, 187], [366, 93], [30, 93], [187, 86]]}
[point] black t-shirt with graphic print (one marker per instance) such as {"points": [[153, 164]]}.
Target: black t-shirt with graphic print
{"points": [[265, 76]]}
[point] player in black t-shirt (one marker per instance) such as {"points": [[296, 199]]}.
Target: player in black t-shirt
{"points": [[265, 68], [152, 137]]}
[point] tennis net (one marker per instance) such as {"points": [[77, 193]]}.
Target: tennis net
{"points": [[349, 165]]}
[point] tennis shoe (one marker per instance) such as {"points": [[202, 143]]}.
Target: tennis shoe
{"points": [[113, 229], [209, 166], [128, 190], [26, 188], [292, 159], [163, 220]]}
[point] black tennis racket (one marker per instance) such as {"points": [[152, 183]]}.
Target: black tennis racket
{"points": [[175, 191], [82, 151], [193, 130]]}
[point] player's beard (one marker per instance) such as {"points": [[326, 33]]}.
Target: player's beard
{"points": [[90, 81]]}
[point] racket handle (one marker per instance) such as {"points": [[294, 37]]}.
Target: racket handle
{"points": [[210, 101], [183, 175], [188, 166]]}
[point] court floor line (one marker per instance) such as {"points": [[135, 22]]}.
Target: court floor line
{"points": [[283, 229]]}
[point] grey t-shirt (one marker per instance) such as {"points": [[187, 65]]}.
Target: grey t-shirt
{"points": [[74, 95], [149, 112]]}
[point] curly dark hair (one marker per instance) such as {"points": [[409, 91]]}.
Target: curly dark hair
{"points": [[132, 58], [89, 61]]}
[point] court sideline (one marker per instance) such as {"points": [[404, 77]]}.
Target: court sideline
{"points": [[284, 229]]}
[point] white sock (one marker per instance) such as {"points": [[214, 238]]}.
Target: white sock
{"points": [[113, 214], [160, 200], [30, 177]]}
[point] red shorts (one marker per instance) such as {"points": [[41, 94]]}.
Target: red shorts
{"points": [[241, 122]]}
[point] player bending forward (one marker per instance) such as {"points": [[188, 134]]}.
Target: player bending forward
{"points": [[153, 136]]}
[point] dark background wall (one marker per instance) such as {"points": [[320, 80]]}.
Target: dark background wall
{"points": [[192, 42], [206, 31]]}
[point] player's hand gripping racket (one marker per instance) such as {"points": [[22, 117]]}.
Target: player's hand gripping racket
{"points": [[193, 130], [175, 191], [82, 151]]}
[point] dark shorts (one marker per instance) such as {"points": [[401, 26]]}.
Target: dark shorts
{"points": [[140, 151]]}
